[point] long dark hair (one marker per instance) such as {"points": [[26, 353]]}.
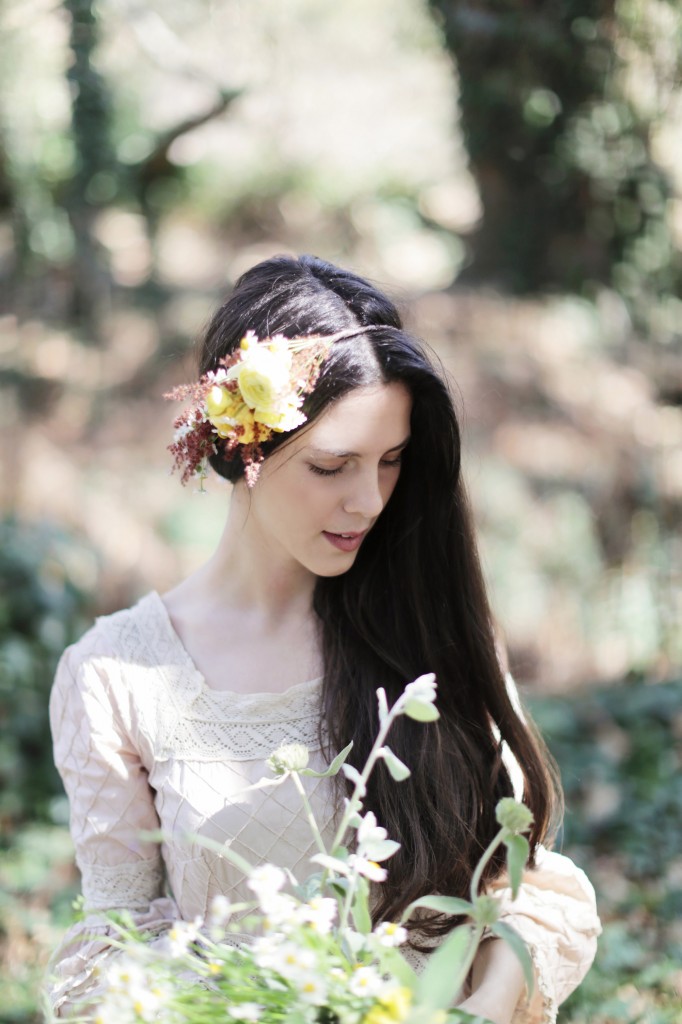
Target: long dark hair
{"points": [[414, 600]]}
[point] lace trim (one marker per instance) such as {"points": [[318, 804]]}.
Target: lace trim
{"points": [[129, 886], [543, 985], [201, 736]]}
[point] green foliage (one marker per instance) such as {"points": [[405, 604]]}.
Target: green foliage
{"points": [[46, 579], [560, 144], [619, 753]]}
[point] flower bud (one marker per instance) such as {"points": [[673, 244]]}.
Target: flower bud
{"points": [[291, 757], [513, 815]]}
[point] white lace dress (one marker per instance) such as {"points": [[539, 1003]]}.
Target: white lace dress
{"points": [[142, 742]]}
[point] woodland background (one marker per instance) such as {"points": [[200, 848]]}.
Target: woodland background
{"points": [[511, 171]]}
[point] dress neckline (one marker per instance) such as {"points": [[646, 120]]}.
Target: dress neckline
{"points": [[266, 696]]}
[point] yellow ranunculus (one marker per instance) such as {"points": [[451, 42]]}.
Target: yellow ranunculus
{"points": [[392, 1008], [218, 400], [263, 377], [236, 414], [287, 416]]}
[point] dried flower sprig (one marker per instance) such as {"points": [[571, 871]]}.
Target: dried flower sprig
{"points": [[257, 391]]}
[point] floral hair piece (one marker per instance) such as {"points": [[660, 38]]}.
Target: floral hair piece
{"points": [[257, 391]]}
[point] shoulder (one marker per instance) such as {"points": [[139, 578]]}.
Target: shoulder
{"points": [[115, 653], [129, 668], [136, 635]]}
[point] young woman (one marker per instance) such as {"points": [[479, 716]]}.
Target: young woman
{"points": [[347, 562]]}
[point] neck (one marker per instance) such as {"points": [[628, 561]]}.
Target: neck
{"points": [[248, 571]]}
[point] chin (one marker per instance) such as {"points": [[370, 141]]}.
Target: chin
{"points": [[330, 571]]}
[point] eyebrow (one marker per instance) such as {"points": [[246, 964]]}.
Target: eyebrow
{"points": [[348, 455]]}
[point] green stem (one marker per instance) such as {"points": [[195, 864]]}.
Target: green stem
{"points": [[309, 813], [355, 800], [347, 903], [480, 867], [468, 961]]}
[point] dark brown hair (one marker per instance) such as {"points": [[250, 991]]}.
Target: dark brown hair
{"points": [[414, 600]]}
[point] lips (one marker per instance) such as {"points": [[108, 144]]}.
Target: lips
{"points": [[345, 541]]}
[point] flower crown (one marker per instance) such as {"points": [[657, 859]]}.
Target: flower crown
{"points": [[257, 391]]}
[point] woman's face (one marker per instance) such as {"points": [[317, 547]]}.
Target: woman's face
{"points": [[318, 496]]}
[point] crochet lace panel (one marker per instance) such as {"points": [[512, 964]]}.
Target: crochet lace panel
{"points": [[130, 886], [247, 729]]}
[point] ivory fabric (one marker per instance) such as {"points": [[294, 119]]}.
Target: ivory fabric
{"points": [[143, 743]]}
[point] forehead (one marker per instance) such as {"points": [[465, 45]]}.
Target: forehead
{"points": [[368, 418]]}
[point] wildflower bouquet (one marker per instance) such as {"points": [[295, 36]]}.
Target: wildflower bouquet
{"points": [[313, 954]]}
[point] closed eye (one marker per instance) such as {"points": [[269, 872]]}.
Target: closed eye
{"points": [[388, 463], [324, 472]]}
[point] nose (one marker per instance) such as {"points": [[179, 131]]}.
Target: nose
{"points": [[365, 497]]}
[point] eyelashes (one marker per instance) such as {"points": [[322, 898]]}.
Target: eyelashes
{"points": [[388, 463]]}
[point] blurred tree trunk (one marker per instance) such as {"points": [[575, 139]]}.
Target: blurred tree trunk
{"points": [[559, 159], [94, 182]]}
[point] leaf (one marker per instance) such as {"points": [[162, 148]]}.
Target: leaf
{"points": [[362, 918], [462, 1017], [517, 856], [353, 775], [421, 711], [443, 904], [439, 983], [394, 963], [399, 771], [222, 849], [330, 863], [333, 767], [381, 849], [504, 931]]}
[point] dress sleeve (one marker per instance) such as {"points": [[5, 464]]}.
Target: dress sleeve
{"points": [[111, 802], [555, 913]]}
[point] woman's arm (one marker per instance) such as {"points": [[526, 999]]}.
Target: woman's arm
{"points": [[497, 983], [96, 747]]}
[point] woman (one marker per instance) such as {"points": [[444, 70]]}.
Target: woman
{"points": [[347, 562]]}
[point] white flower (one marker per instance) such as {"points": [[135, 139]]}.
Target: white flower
{"points": [[130, 995], [147, 1003], [281, 911], [219, 911], [266, 881], [390, 934], [366, 981], [417, 700], [319, 913], [367, 868], [313, 990], [245, 1011], [266, 949], [125, 974], [369, 832], [292, 962], [179, 937]]}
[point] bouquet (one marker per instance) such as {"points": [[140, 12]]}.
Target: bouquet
{"points": [[313, 954]]}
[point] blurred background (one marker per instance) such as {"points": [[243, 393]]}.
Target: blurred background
{"points": [[511, 172]]}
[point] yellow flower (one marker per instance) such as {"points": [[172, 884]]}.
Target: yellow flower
{"points": [[219, 400], [285, 417], [262, 376], [391, 1008]]}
